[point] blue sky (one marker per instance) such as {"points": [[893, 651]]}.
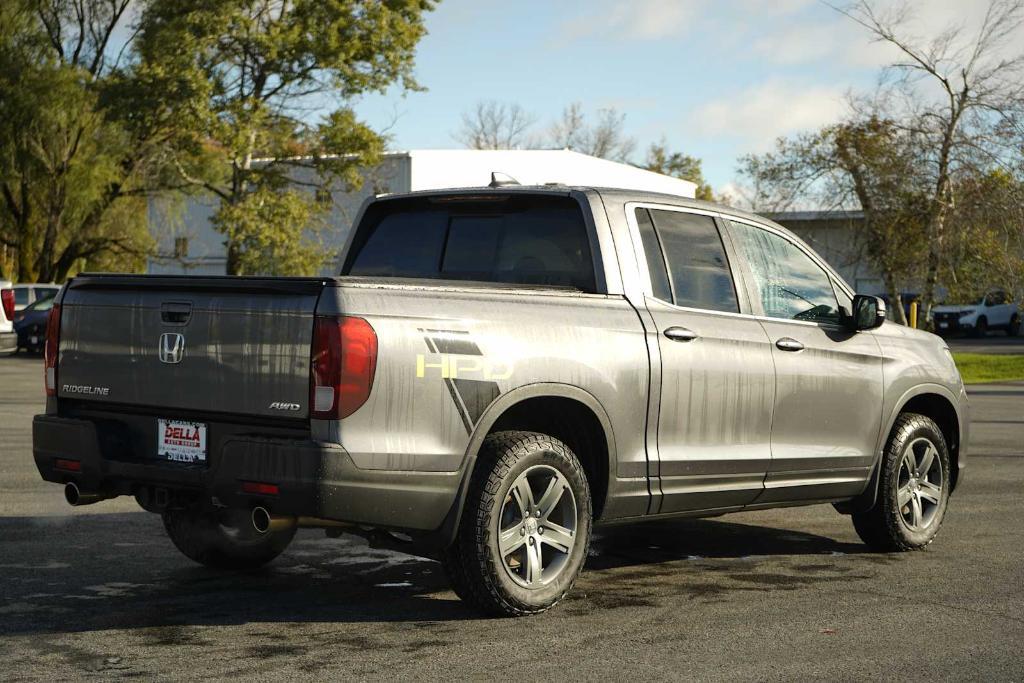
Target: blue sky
{"points": [[715, 79]]}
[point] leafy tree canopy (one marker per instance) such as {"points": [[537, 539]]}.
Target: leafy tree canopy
{"points": [[248, 74]]}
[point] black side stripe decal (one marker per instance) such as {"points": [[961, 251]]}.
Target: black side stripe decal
{"points": [[452, 391], [450, 341], [476, 396], [470, 396]]}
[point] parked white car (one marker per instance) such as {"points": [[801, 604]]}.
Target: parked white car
{"points": [[995, 310], [28, 294], [8, 338]]}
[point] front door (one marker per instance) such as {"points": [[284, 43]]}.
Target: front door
{"points": [[828, 400], [717, 377]]}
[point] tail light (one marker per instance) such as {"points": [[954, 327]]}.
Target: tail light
{"points": [[52, 347], [343, 364], [7, 299]]}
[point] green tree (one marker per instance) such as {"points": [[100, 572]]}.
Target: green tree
{"points": [[248, 72], [986, 248], [678, 165], [963, 86], [72, 170]]}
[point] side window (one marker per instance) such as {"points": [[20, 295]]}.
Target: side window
{"points": [[996, 298], [789, 283], [21, 296], [698, 268], [655, 260]]}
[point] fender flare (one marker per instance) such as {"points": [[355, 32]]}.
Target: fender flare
{"points": [[525, 392], [449, 528]]}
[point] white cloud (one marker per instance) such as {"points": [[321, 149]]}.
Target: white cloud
{"points": [[758, 115], [835, 37], [637, 20]]}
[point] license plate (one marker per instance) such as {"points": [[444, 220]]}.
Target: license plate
{"points": [[943, 325], [34, 339], [181, 441]]}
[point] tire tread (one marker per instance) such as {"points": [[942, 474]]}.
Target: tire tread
{"points": [[880, 527], [469, 562]]}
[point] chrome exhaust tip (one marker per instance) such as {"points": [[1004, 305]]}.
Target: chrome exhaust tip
{"points": [[264, 522], [71, 493], [261, 521], [74, 496]]}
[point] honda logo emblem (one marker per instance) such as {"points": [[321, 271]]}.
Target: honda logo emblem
{"points": [[172, 347]]}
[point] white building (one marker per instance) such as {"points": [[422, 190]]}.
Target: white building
{"points": [[188, 244]]}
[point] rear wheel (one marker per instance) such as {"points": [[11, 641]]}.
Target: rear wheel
{"points": [[525, 529], [913, 490], [224, 539]]}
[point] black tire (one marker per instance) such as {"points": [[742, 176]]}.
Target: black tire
{"points": [[1013, 329], [981, 327], [225, 539], [888, 527], [479, 574]]}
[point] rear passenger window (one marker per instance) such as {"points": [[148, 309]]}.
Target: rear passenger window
{"points": [[509, 240], [789, 283], [655, 259], [697, 265]]}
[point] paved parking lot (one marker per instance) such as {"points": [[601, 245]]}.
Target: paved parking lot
{"points": [[996, 342], [785, 594]]}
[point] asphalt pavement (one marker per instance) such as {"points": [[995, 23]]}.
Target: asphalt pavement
{"points": [[99, 592], [995, 342]]}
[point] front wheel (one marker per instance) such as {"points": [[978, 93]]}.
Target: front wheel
{"points": [[224, 539], [1013, 329], [981, 327], [913, 491], [525, 529]]}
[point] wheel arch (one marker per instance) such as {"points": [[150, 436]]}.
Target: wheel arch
{"points": [[933, 401], [568, 413]]}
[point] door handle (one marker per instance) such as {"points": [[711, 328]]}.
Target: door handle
{"points": [[175, 313], [787, 344], [680, 334]]}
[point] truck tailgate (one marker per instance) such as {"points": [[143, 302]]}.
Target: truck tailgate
{"points": [[223, 345]]}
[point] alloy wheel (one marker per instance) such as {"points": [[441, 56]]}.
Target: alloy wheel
{"points": [[919, 485], [537, 526]]}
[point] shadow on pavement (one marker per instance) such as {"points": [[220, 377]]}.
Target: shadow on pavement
{"points": [[119, 571]]}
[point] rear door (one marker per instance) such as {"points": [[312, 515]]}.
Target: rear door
{"points": [[212, 345], [828, 397], [717, 378]]}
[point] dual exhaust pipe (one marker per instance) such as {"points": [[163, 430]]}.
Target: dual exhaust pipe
{"points": [[262, 520]]}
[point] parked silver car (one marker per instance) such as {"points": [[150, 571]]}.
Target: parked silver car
{"points": [[494, 371]]}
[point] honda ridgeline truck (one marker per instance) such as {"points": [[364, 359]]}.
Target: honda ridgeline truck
{"points": [[493, 372]]}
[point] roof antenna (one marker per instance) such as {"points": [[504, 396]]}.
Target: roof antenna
{"points": [[499, 179]]}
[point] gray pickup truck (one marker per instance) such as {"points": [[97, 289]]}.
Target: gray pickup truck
{"points": [[495, 371]]}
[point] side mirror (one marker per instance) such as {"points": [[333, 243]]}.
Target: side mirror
{"points": [[868, 313]]}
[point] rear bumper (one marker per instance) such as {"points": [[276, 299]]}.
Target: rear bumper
{"points": [[315, 479], [8, 342]]}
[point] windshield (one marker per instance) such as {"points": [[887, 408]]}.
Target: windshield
{"points": [[44, 305]]}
